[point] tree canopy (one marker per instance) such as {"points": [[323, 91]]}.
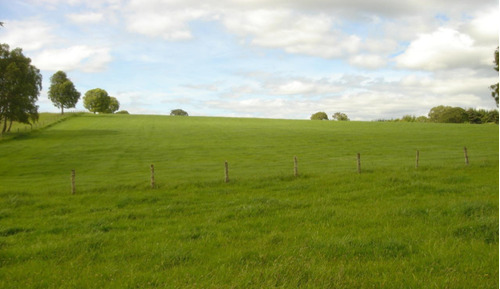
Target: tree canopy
{"points": [[178, 112], [97, 100], [340, 116], [494, 87], [319, 116], [448, 114], [20, 85], [62, 91]]}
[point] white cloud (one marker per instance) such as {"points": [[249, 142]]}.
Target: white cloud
{"points": [[445, 48], [370, 61], [161, 19], [293, 32], [303, 87], [82, 57], [29, 35], [86, 18], [484, 27]]}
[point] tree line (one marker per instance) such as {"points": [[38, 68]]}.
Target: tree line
{"points": [[449, 114], [21, 83]]}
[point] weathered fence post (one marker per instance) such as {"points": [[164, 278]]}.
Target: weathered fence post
{"points": [[417, 159], [152, 176], [295, 167], [359, 163], [226, 172], [466, 156], [73, 185]]}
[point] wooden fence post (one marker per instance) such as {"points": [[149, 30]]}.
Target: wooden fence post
{"points": [[152, 176], [226, 172], [73, 185], [417, 159], [295, 167], [359, 163], [466, 156]]}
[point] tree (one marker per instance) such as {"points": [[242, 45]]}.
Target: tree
{"points": [[448, 114], [340, 116], [97, 100], [114, 105], [319, 116], [20, 85], [494, 87], [62, 91], [178, 112]]}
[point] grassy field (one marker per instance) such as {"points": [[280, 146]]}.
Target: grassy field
{"points": [[392, 226]]}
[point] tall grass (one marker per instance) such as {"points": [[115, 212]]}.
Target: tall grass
{"points": [[392, 226]]}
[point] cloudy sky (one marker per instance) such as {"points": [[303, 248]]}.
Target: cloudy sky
{"points": [[370, 59]]}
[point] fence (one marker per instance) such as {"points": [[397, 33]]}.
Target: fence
{"points": [[295, 169]]}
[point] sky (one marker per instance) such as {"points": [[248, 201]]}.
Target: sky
{"points": [[370, 59]]}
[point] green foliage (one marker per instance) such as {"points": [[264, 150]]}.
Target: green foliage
{"points": [[62, 91], [98, 100], [340, 116], [114, 105], [122, 112], [494, 87], [393, 226], [448, 114], [178, 112], [20, 85], [319, 116]]}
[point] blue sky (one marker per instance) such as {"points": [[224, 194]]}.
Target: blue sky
{"points": [[255, 58]]}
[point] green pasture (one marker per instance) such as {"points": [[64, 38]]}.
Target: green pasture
{"points": [[392, 226]]}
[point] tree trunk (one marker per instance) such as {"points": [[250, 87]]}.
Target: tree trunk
{"points": [[10, 125], [4, 126], [62, 110]]}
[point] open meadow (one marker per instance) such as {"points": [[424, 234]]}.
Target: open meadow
{"points": [[391, 226]]}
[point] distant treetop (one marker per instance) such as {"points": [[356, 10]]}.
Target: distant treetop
{"points": [[178, 112]]}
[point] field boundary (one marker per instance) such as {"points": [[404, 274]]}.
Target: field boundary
{"points": [[25, 129], [295, 172]]}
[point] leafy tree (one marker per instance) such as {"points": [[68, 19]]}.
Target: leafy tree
{"points": [[448, 114], [97, 100], [340, 116], [490, 116], [494, 87], [62, 91], [474, 116], [20, 85], [422, 118], [319, 116], [178, 112], [114, 105]]}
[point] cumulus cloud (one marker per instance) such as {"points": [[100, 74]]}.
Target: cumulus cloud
{"points": [[291, 31], [86, 18], [369, 61], [484, 27], [161, 19], [29, 35], [445, 48], [82, 57]]}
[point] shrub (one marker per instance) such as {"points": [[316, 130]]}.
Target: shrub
{"points": [[340, 116], [319, 116], [178, 112]]}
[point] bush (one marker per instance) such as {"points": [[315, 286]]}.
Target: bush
{"points": [[340, 116], [178, 112], [122, 112], [319, 116], [448, 114]]}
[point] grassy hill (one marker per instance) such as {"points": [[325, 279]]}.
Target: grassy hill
{"points": [[392, 226]]}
